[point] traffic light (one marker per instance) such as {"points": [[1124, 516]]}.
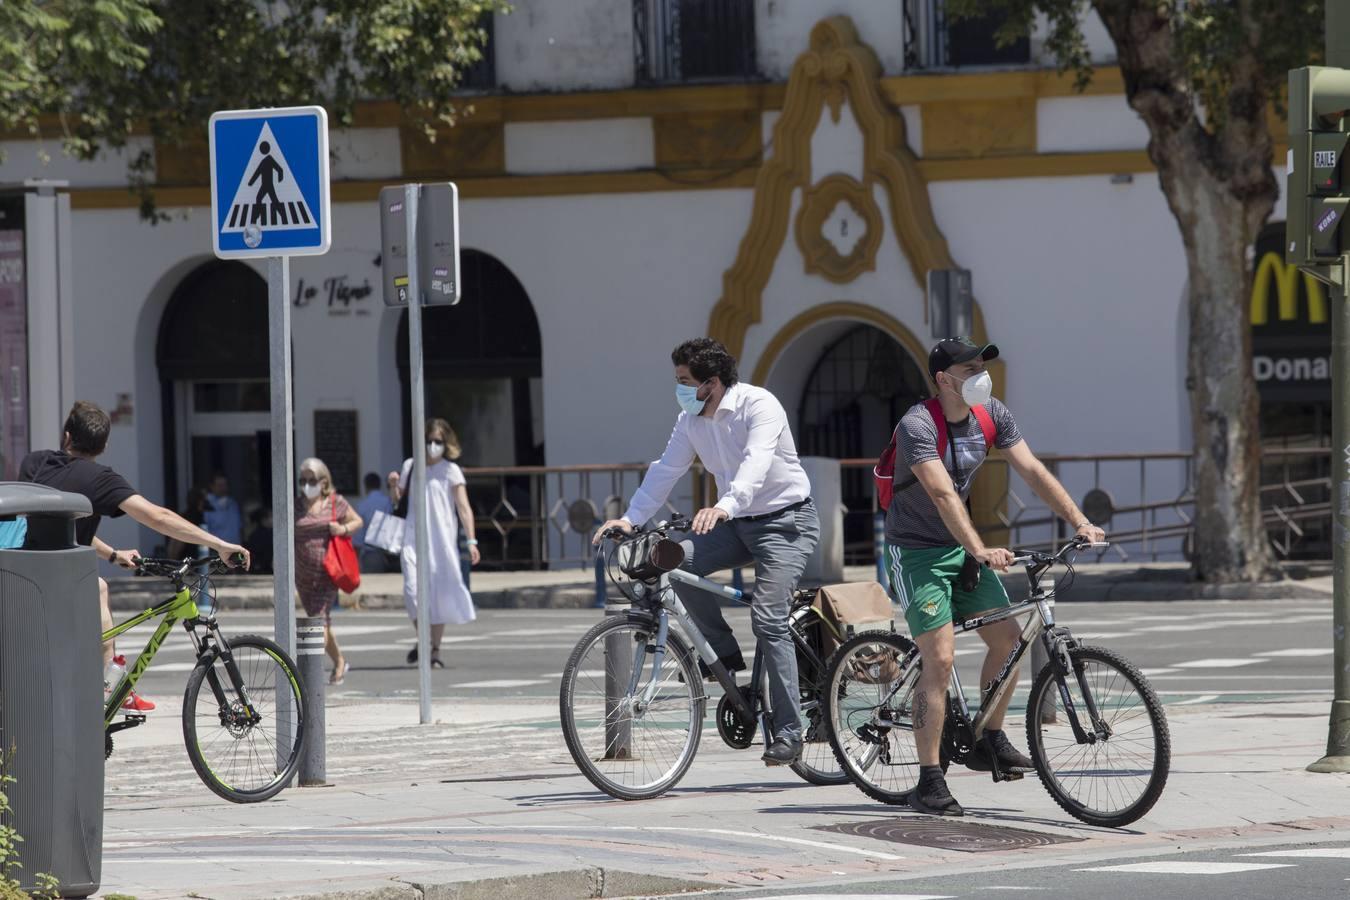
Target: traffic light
{"points": [[1318, 186]]}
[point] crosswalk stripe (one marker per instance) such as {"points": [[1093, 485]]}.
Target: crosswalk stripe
{"points": [[1184, 867]]}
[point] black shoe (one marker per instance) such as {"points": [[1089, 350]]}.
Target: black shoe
{"points": [[734, 663], [1010, 759], [932, 798], [436, 662], [782, 753], [412, 656]]}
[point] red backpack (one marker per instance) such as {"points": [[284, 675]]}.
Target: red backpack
{"points": [[884, 471]]}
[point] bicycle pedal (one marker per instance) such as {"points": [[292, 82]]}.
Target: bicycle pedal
{"points": [[1009, 776]]}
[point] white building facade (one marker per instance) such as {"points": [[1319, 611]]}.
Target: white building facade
{"points": [[624, 186]]}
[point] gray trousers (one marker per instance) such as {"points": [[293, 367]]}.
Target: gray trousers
{"points": [[779, 547]]}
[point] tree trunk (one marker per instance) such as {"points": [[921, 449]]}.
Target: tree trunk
{"points": [[1219, 186]]}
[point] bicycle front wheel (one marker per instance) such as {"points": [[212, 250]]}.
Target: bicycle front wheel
{"points": [[633, 745], [242, 749], [870, 689], [1113, 777]]}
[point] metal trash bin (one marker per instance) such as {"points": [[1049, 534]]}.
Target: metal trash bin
{"points": [[51, 715]]}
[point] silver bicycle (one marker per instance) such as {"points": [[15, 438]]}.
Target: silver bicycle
{"points": [[633, 700], [1096, 730]]}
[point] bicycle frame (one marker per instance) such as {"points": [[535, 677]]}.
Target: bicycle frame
{"points": [[177, 608]]}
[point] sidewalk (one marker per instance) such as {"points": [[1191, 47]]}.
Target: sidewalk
{"points": [[574, 588], [486, 803]]}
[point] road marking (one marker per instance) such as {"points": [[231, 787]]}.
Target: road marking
{"points": [[198, 858], [1299, 651], [1152, 672], [1203, 698], [869, 896], [501, 683], [1179, 867], [1308, 852], [1217, 663]]}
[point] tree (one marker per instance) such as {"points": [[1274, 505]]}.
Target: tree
{"points": [[1202, 74], [108, 69]]}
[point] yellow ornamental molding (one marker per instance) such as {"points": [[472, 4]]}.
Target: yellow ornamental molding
{"points": [[839, 229], [979, 127], [708, 140], [837, 66]]}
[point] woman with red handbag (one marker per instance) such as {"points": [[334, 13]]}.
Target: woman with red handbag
{"points": [[324, 557]]}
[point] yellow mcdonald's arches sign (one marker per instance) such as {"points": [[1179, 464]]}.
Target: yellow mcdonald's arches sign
{"points": [[1272, 270]]}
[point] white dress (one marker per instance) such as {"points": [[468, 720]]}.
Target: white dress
{"points": [[447, 597]]}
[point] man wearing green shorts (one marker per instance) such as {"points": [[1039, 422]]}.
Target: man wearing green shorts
{"points": [[929, 534]]}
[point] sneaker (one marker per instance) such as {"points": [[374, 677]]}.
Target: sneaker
{"points": [[1010, 759], [136, 703], [931, 797], [412, 656]]}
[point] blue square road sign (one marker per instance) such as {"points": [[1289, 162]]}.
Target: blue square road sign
{"points": [[269, 182]]}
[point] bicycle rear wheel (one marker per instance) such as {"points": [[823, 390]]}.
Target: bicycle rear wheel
{"points": [[628, 746], [870, 690], [237, 743], [1112, 781], [817, 764]]}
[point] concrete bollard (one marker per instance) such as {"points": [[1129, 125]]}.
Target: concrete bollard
{"points": [[618, 671], [309, 657]]}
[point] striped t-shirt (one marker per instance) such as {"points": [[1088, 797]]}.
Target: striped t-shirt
{"points": [[913, 521]]}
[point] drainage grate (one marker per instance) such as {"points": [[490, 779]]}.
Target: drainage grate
{"points": [[946, 834]]}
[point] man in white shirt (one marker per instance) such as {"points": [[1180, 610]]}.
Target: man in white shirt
{"points": [[763, 516]]}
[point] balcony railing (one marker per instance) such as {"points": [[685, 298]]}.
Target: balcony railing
{"points": [[935, 40], [693, 40], [543, 516]]}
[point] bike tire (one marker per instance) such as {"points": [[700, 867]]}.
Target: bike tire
{"points": [[1076, 782], [679, 674], [263, 665], [885, 769], [817, 764]]}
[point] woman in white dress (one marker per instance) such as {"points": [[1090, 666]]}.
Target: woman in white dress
{"points": [[448, 600]]}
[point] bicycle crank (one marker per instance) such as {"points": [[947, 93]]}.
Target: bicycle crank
{"points": [[736, 732]]}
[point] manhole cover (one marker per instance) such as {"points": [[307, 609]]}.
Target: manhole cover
{"points": [[948, 835]]}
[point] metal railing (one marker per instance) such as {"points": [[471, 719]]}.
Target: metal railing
{"points": [[536, 517], [693, 40]]}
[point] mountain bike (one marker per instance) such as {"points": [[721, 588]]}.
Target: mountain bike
{"points": [[632, 700], [239, 744], [1096, 730]]}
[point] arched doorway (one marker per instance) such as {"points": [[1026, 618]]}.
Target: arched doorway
{"points": [[212, 354], [860, 385], [484, 375], [483, 368]]}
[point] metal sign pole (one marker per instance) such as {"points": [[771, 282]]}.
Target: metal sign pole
{"points": [[419, 454], [283, 478]]}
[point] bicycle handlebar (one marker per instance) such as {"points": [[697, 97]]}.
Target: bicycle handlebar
{"points": [[677, 522], [1076, 544], [176, 569]]}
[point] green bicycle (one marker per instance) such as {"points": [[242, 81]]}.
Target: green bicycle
{"points": [[242, 749]]}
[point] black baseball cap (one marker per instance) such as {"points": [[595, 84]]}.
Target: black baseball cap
{"points": [[952, 351]]}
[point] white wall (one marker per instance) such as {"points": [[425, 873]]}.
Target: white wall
{"points": [[44, 159], [1086, 124], [592, 145], [783, 31], [544, 45]]}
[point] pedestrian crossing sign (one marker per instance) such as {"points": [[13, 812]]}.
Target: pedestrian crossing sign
{"points": [[269, 182]]}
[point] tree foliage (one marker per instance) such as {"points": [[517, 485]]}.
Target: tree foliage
{"points": [[1211, 38], [108, 69]]}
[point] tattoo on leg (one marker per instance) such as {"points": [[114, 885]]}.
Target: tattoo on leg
{"points": [[921, 710]]}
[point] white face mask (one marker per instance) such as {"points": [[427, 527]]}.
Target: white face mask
{"points": [[310, 490], [435, 449], [976, 390]]}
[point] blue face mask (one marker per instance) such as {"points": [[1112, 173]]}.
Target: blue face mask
{"points": [[687, 396]]}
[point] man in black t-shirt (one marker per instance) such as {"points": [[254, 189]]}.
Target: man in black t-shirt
{"points": [[73, 469]]}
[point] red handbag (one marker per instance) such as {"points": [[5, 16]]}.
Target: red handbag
{"points": [[339, 561]]}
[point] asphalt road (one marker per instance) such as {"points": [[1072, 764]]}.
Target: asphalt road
{"points": [[1304, 870], [1192, 652]]}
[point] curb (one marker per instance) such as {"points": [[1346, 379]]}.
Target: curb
{"points": [[567, 884]]}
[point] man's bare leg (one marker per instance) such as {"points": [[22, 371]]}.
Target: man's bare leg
{"points": [[109, 647], [937, 648], [1000, 637]]}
